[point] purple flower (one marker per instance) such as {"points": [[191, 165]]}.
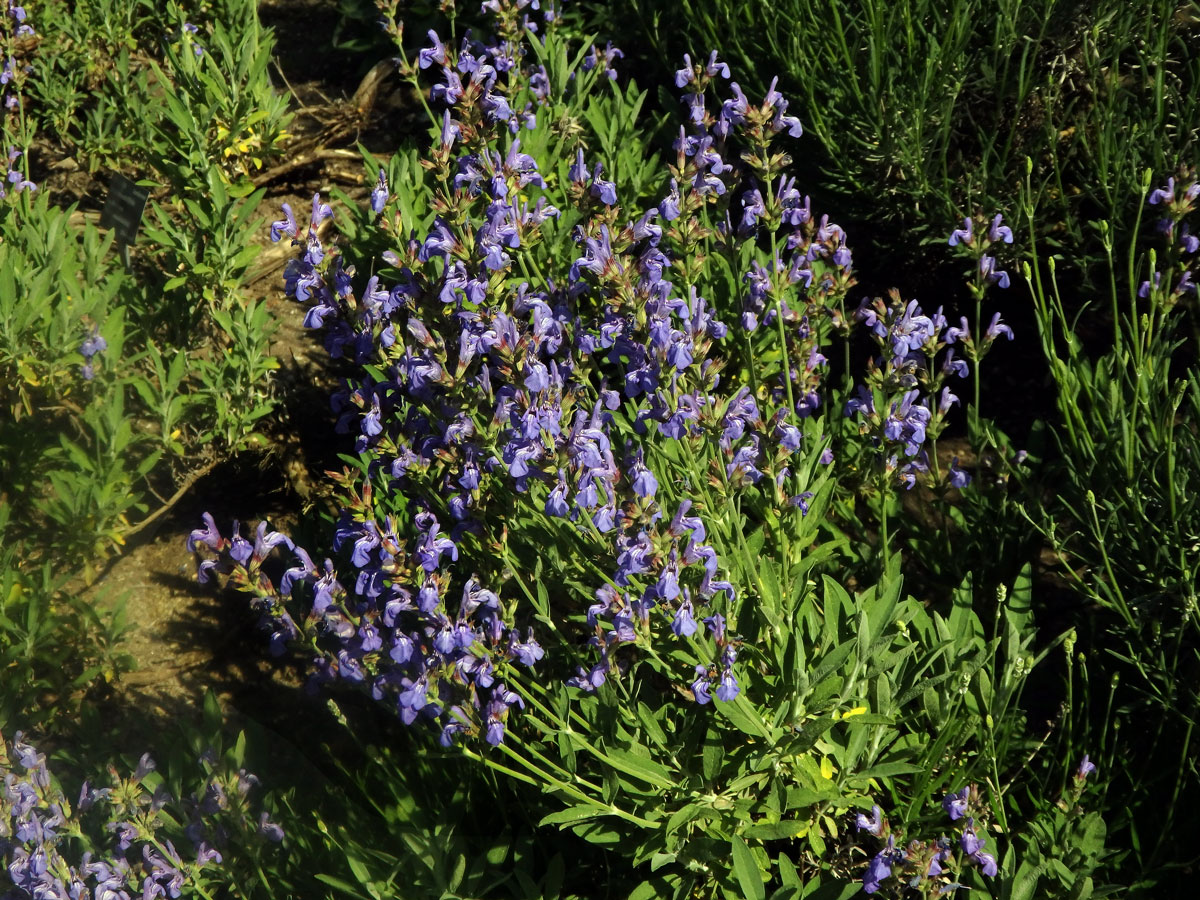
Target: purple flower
{"points": [[715, 67], [320, 212], [556, 503], [451, 130], [265, 541], [269, 829], [1146, 287], [684, 623], [1163, 195], [578, 172], [997, 328], [379, 196], [701, 686], [1086, 767], [286, 225], [958, 478], [948, 399], [972, 845], [644, 482], [604, 191], [434, 54], [989, 272], [603, 59], [728, 689], [781, 121], [961, 332], [906, 423], [880, 867], [526, 653], [687, 74], [872, 823], [431, 547], [753, 208], [451, 91], [999, 232], [952, 366], [800, 501], [964, 235], [93, 344], [1188, 241], [669, 207], [955, 804]]}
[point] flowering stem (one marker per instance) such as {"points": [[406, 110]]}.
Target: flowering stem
{"points": [[978, 345], [750, 367], [783, 345], [416, 83]]}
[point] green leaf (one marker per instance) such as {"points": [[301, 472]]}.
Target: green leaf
{"points": [[1025, 882], [835, 891], [650, 724], [887, 770], [575, 814], [497, 854], [802, 798], [553, 881], [787, 871], [660, 859], [863, 638], [337, 884], [745, 869], [148, 463], [743, 716], [686, 814], [641, 767], [360, 870], [772, 598], [804, 740], [713, 754], [884, 610], [1091, 835], [832, 660], [776, 831]]}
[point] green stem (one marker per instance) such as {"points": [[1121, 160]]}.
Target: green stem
{"points": [[883, 524], [978, 347]]}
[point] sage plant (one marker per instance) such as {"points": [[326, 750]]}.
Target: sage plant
{"points": [[932, 868], [495, 375], [112, 841], [588, 403]]}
